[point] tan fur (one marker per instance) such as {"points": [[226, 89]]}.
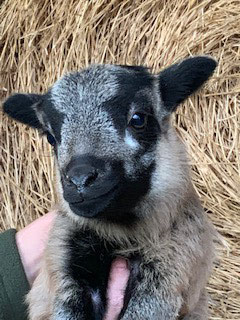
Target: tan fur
{"points": [[174, 233]]}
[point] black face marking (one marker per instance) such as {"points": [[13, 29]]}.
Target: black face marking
{"points": [[149, 136], [136, 79], [112, 196], [131, 192], [119, 110], [130, 83]]}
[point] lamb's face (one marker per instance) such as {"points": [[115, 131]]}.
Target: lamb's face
{"points": [[102, 122], [105, 123]]}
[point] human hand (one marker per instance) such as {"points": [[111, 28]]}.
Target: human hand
{"points": [[31, 242]]}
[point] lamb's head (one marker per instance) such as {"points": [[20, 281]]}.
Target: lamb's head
{"points": [[106, 124]]}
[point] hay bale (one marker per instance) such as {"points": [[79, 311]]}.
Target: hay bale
{"points": [[43, 39]]}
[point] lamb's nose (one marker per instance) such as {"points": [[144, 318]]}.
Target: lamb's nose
{"points": [[82, 176]]}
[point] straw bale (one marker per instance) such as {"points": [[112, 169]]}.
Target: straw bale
{"points": [[41, 40]]}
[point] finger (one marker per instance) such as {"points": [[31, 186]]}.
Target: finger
{"points": [[118, 278]]}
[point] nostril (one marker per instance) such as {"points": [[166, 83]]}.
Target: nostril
{"points": [[92, 176], [76, 181]]}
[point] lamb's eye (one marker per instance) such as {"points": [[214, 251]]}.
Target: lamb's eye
{"points": [[51, 139], [138, 121]]}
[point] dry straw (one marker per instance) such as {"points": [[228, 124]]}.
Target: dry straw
{"points": [[40, 40]]}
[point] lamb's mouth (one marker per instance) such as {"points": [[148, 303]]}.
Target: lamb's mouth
{"points": [[91, 207]]}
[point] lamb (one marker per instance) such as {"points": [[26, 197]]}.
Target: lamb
{"points": [[124, 191]]}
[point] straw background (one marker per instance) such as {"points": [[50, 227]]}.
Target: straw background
{"points": [[41, 40]]}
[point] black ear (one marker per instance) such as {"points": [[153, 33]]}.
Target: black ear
{"points": [[179, 81], [22, 107]]}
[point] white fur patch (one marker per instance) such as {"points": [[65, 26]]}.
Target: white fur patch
{"points": [[96, 297], [130, 141], [96, 300]]}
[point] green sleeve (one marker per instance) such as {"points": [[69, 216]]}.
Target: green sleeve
{"points": [[13, 282]]}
